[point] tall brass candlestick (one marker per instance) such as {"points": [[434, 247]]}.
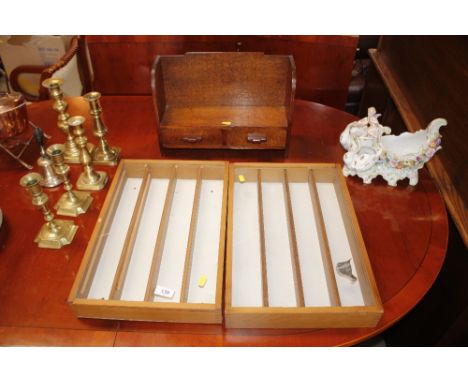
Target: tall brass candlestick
{"points": [[54, 233], [71, 203], [103, 154], [72, 151], [89, 178]]}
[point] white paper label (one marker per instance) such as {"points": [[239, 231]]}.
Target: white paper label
{"points": [[163, 291]]}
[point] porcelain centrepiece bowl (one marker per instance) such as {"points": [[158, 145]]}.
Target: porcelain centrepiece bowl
{"points": [[371, 151]]}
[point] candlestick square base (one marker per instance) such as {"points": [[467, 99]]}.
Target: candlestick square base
{"points": [[83, 183], [66, 207], [47, 238], [106, 159]]}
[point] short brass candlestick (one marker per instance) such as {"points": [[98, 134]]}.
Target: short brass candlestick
{"points": [[71, 203], [49, 178], [103, 154], [54, 233], [89, 178], [72, 151]]}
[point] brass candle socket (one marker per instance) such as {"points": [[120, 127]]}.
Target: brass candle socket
{"points": [[72, 151], [103, 154], [89, 178], [54, 233], [71, 203]]}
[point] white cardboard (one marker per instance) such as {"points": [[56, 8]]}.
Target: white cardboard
{"points": [[140, 262], [281, 290], [314, 282], [350, 292], [43, 51], [105, 271], [246, 263], [206, 243], [173, 257]]}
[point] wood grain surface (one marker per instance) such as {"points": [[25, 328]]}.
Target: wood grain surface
{"points": [[323, 63], [405, 231], [440, 90], [242, 93]]}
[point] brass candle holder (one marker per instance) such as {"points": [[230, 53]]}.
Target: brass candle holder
{"points": [[89, 178], [71, 203], [54, 233], [49, 177], [102, 154], [72, 151]]}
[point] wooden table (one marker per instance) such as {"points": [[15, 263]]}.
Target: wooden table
{"points": [[405, 230]]}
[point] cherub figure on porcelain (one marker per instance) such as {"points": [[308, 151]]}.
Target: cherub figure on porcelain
{"points": [[371, 151]]}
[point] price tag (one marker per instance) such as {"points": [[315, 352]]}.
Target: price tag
{"points": [[163, 291], [202, 281]]}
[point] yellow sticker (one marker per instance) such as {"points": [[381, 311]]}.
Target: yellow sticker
{"points": [[226, 123], [202, 281], [241, 178]]}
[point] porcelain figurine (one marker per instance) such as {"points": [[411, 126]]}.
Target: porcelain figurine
{"points": [[372, 151]]}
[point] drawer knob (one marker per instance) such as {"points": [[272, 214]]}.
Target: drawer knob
{"points": [[192, 139], [256, 138]]}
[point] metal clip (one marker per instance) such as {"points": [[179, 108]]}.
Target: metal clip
{"points": [[344, 269]]}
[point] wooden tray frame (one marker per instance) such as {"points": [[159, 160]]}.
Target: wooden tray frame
{"points": [[305, 317], [114, 308]]}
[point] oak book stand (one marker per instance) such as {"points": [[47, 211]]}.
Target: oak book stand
{"points": [[224, 100]]}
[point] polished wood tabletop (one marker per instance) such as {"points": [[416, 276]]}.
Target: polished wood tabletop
{"points": [[405, 230]]}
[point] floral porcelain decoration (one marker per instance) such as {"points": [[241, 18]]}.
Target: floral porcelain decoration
{"points": [[372, 151]]}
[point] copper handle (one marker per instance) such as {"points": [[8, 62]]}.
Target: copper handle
{"points": [[256, 138], [192, 139]]}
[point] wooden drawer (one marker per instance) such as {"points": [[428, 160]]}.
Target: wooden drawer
{"points": [[162, 226], [291, 231], [257, 138], [191, 138]]}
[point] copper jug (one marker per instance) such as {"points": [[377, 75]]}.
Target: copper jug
{"points": [[13, 118]]}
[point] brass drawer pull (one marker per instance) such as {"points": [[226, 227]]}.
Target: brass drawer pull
{"points": [[192, 139], [256, 138]]}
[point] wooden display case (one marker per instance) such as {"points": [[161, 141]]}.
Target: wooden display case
{"points": [[289, 225], [162, 225], [224, 100]]}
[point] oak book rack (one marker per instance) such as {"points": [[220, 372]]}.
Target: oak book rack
{"points": [[158, 248], [232, 100]]}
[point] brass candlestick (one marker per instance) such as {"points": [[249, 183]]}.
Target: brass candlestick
{"points": [[49, 177], [72, 151], [103, 154], [89, 178], [71, 203], [54, 233]]}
